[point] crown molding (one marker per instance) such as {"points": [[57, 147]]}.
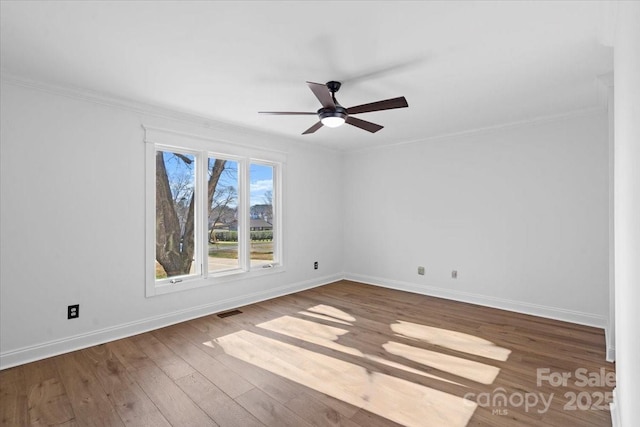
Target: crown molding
{"points": [[217, 125], [101, 98], [491, 129]]}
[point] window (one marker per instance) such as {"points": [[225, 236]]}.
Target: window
{"points": [[223, 215], [212, 216], [261, 215], [175, 214]]}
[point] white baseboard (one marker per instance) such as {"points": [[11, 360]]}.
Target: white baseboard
{"points": [[611, 349], [65, 345], [611, 354], [614, 411], [500, 303], [52, 348]]}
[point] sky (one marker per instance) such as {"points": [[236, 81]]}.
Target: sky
{"points": [[261, 177], [261, 181]]}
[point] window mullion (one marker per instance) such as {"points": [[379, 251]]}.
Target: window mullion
{"points": [[202, 212], [277, 215], [244, 246]]}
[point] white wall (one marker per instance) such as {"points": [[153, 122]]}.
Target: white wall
{"points": [[73, 224], [520, 212], [627, 213]]}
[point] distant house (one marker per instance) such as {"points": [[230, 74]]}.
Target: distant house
{"points": [[259, 224], [255, 224]]}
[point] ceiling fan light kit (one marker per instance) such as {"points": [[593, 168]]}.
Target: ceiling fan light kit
{"points": [[333, 115], [332, 118]]}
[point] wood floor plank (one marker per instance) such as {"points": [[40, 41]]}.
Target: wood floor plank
{"points": [[410, 403], [200, 339], [131, 402], [129, 354], [269, 411], [365, 418], [49, 404], [214, 326], [228, 381], [225, 411], [275, 386], [47, 398], [174, 366], [344, 408], [317, 413], [341, 354], [90, 403], [13, 397], [172, 402]]}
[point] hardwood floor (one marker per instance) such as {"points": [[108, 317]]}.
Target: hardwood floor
{"points": [[344, 354]]}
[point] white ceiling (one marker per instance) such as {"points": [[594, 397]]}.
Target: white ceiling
{"points": [[461, 65]]}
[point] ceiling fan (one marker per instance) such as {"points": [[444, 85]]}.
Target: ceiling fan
{"points": [[332, 114]]}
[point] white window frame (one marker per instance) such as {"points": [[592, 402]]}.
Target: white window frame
{"points": [[204, 148]]}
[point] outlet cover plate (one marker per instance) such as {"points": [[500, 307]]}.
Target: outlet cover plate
{"points": [[73, 311]]}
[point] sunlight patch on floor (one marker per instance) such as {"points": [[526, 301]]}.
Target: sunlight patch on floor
{"points": [[336, 313], [326, 336], [469, 369], [306, 330], [396, 399], [451, 339], [323, 317]]}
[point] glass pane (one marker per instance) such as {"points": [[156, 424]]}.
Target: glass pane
{"points": [[261, 215], [175, 218], [223, 214]]}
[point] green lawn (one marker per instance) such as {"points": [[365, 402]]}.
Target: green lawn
{"points": [[261, 250]]}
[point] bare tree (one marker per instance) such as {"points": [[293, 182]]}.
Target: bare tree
{"points": [[265, 210], [219, 210], [181, 191], [175, 241], [268, 198]]}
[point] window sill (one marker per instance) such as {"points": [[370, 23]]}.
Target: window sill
{"points": [[220, 278]]}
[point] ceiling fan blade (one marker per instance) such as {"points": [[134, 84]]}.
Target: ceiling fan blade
{"points": [[363, 124], [288, 113], [323, 94], [313, 128], [387, 104]]}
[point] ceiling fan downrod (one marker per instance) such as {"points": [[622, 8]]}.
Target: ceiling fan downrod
{"points": [[336, 116], [333, 88]]}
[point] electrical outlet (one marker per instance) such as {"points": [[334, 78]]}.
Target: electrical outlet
{"points": [[315, 265], [73, 311], [421, 271], [454, 274]]}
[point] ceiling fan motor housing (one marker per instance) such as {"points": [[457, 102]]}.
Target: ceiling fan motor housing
{"points": [[339, 111], [332, 117], [334, 86]]}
